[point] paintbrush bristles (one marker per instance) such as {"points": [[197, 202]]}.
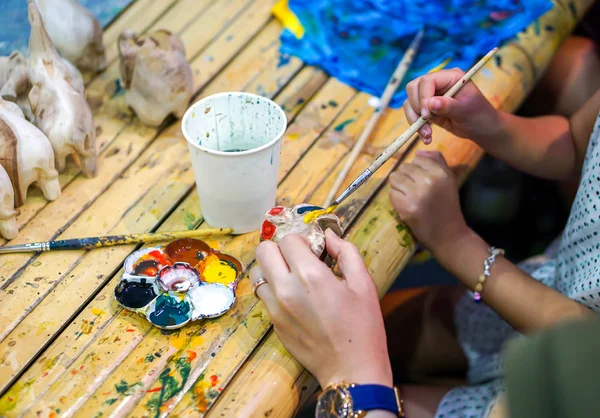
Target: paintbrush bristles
{"points": [[388, 93], [412, 130]]}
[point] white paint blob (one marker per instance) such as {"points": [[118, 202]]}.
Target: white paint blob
{"points": [[374, 102], [210, 300]]}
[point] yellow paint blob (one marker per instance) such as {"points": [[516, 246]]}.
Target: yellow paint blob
{"points": [[312, 216], [290, 21], [96, 311], [440, 66], [218, 271]]}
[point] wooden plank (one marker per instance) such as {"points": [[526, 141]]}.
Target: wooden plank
{"points": [[111, 113], [47, 223], [28, 391]]}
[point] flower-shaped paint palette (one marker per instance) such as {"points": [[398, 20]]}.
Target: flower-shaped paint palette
{"points": [[184, 281]]}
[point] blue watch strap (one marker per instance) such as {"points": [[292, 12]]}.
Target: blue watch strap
{"points": [[369, 397]]}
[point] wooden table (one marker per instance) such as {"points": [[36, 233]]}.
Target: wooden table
{"points": [[66, 348]]}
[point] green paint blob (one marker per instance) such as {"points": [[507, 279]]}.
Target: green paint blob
{"points": [[342, 125], [169, 311], [169, 385], [190, 220]]}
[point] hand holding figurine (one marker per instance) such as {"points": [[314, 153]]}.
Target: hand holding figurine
{"points": [[425, 195], [332, 326], [468, 114]]}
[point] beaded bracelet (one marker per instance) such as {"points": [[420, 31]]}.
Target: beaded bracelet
{"points": [[487, 265]]}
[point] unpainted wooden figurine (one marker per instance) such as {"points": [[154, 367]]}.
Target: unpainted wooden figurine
{"points": [[59, 106], [300, 219], [26, 154], [14, 81], [75, 32], [8, 214], [156, 74]]}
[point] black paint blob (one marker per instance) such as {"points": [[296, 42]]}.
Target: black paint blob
{"points": [[134, 295]]}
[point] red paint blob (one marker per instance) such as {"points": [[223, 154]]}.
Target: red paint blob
{"points": [[276, 210], [267, 230], [214, 380]]}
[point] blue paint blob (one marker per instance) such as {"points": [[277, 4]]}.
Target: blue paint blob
{"points": [[305, 209], [170, 311]]}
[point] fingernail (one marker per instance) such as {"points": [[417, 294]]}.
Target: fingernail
{"points": [[435, 104], [424, 113]]}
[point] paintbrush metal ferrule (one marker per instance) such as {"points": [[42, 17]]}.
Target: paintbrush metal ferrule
{"points": [[364, 176], [35, 247]]}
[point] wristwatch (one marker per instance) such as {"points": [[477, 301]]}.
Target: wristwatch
{"points": [[348, 400]]}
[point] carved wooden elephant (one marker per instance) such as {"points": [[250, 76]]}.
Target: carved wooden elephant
{"points": [[156, 75], [59, 106], [26, 154]]}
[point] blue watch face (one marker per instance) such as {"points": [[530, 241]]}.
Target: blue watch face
{"points": [[335, 403]]}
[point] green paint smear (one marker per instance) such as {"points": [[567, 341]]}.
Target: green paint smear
{"points": [[536, 27], [406, 238], [573, 9], [149, 358], [125, 389], [342, 125], [111, 401], [169, 385], [190, 220]]}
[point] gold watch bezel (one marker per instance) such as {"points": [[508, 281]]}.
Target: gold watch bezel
{"points": [[348, 405]]}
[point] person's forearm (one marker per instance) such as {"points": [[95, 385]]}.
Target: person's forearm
{"points": [[541, 146], [526, 304]]}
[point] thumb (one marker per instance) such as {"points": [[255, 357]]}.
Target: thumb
{"points": [[349, 261], [445, 106]]}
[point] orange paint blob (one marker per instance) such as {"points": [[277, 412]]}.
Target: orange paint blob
{"points": [[214, 380]]}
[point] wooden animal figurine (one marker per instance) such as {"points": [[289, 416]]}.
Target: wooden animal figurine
{"points": [[281, 221], [156, 75], [75, 32], [8, 215], [14, 82], [26, 154], [59, 106]]}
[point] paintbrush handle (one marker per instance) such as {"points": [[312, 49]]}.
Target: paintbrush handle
{"points": [[388, 93], [111, 240], [412, 130]]}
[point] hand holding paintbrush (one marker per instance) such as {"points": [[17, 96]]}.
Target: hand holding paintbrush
{"points": [[412, 130]]}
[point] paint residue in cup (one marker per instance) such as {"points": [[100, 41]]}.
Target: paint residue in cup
{"points": [[215, 270], [170, 311], [135, 295]]}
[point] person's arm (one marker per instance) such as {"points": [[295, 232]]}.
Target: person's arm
{"points": [[548, 146], [425, 195], [526, 304]]}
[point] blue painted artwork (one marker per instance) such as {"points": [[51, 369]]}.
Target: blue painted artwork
{"points": [[361, 42], [14, 27]]}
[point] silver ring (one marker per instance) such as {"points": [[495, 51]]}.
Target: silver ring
{"points": [[255, 285]]}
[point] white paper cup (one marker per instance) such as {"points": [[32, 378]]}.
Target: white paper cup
{"points": [[235, 144]]}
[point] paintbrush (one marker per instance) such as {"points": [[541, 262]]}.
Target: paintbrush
{"points": [[402, 139], [111, 240], [387, 95]]}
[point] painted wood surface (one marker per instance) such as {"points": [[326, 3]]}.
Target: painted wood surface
{"points": [[66, 348]]}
